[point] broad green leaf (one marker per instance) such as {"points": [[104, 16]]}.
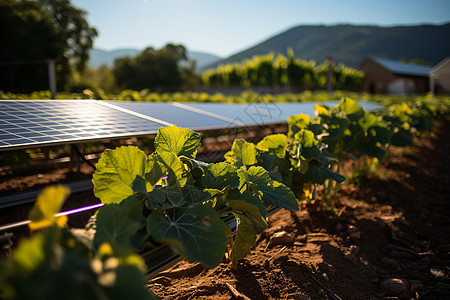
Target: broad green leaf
{"points": [[175, 196], [401, 137], [258, 180], [221, 175], [337, 127], [242, 153], [167, 196], [318, 174], [118, 223], [370, 148], [381, 135], [196, 232], [30, 253], [320, 110], [274, 144], [116, 172], [370, 120], [176, 169], [179, 141], [306, 138], [245, 237], [48, 204], [251, 211], [156, 171], [353, 111], [297, 123], [129, 283]]}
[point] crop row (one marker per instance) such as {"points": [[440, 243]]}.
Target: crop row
{"points": [[171, 198], [281, 71]]}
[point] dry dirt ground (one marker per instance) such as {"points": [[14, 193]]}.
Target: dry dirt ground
{"points": [[389, 239]]}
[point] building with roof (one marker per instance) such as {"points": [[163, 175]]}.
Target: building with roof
{"points": [[440, 77], [387, 76]]}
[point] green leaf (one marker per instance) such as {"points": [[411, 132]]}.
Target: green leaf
{"points": [[253, 212], [48, 204], [318, 174], [353, 111], [258, 180], [118, 223], [306, 138], [178, 174], [196, 232], [245, 237], [242, 153], [116, 172], [221, 175], [129, 283], [178, 141], [401, 137], [156, 171], [297, 123], [274, 144]]}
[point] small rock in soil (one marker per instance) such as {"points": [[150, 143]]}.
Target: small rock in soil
{"points": [[351, 229], [281, 238], [355, 235], [395, 286], [339, 227], [298, 297], [438, 274], [161, 280], [302, 238], [429, 254]]}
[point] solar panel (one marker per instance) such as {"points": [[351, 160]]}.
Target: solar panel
{"points": [[177, 114], [30, 123], [247, 114], [34, 123]]}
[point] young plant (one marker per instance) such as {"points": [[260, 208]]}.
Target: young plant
{"points": [[182, 200], [56, 262]]}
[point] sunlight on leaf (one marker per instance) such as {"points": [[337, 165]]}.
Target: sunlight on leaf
{"points": [[48, 204]]}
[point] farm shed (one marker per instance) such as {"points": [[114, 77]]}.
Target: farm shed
{"points": [[440, 77], [386, 76]]}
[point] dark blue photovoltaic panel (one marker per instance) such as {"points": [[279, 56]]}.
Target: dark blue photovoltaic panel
{"points": [[253, 114], [248, 114], [32, 123], [40, 122], [174, 115]]}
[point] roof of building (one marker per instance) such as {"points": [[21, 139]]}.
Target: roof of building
{"points": [[441, 67], [403, 68]]}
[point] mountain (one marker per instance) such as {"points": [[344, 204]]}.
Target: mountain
{"points": [[99, 57], [350, 44], [202, 59]]}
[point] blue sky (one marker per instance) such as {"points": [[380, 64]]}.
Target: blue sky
{"points": [[226, 27]]}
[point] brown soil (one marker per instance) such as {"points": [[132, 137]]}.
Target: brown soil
{"points": [[397, 225]]}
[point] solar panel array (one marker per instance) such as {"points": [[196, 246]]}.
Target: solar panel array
{"points": [[35, 123]]}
